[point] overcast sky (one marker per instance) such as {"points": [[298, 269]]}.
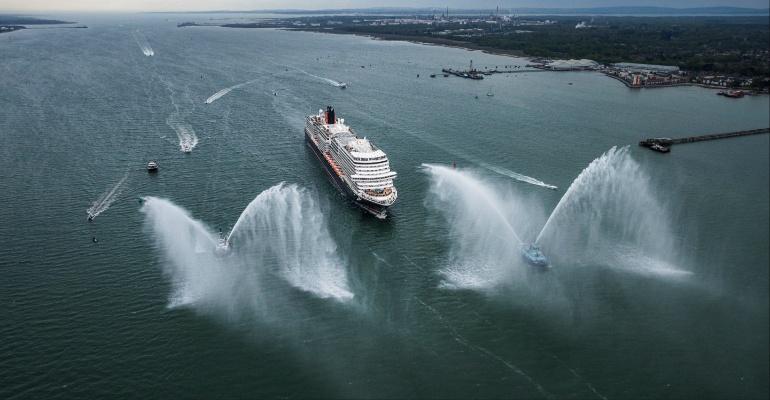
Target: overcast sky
{"points": [[196, 5]]}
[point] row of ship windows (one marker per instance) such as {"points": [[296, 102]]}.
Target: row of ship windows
{"points": [[358, 178], [385, 167], [369, 159]]}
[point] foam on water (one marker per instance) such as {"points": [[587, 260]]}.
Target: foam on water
{"points": [[184, 132], [144, 45], [280, 234], [327, 80], [519, 177], [216, 96], [106, 199]]}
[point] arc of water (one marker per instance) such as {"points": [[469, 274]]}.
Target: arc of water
{"points": [[578, 183], [458, 175]]}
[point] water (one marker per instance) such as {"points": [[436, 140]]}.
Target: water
{"points": [[658, 286]]}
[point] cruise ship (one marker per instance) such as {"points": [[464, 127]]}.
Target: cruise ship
{"points": [[356, 167]]}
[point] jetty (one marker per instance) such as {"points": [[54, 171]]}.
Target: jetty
{"points": [[663, 145]]}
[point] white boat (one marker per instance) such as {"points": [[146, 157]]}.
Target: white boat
{"points": [[356, 166]]}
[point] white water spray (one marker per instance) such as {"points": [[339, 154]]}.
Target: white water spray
{"points": [[282, 233], [611, 216], [284, 223], [483, 240], [106, 199], [608, 217]]}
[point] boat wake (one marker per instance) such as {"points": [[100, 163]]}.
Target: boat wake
{"points": [[321, 78], [216, 96], [519, 177], [106, 199], [184, 132], [144, 45], [280, 235]]}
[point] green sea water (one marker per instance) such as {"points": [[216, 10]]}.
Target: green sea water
{"points": [[658, 286]]}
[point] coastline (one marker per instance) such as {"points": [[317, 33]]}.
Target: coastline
{"points": [[457, 44], [423, 40]]}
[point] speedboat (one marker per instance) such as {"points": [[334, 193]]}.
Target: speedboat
{"points": [[532, 255], [152, 166]]}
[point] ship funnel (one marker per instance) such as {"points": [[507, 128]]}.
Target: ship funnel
{"points": [[330, 118]]}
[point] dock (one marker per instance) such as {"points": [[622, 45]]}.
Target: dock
{"points": [[663, 145]]}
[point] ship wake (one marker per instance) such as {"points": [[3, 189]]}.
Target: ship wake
{"points": [[321, 78], [184, 132], [216, 96], [106, 199], [517, 176], [143, 44]]}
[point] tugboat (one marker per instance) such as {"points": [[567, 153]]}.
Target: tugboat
{"points": [[152, 166], [532, 255]]}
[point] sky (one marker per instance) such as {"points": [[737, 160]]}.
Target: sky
{"points": [[198, 5]]}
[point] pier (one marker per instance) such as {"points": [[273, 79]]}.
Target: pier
{"points": [[663, 145], [478, 74]]}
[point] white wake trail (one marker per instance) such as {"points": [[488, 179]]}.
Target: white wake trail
{"points": [[184, 132], [327, 80], [216, 96], [106, 199], [143, 44], [519, 177]]}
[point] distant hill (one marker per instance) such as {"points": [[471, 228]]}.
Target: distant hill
{"points": [[8, 19], [626, 10]]}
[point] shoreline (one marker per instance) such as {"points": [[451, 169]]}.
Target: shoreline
{"points": [[457, 44]]}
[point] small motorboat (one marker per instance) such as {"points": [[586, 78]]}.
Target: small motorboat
{"points": [[152, 166], [343, 85], [432, 75], [532, 254]]}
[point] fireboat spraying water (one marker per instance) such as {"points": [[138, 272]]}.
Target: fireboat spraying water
{"points": [[533, 255]]}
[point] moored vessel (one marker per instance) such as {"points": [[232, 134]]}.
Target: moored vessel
{"points": [[356, 166]]}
